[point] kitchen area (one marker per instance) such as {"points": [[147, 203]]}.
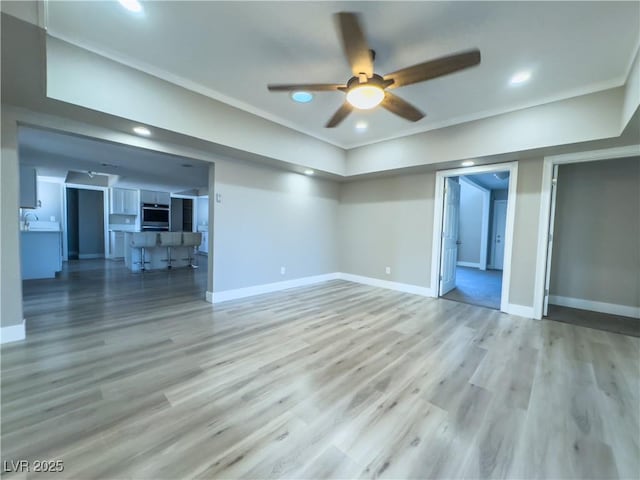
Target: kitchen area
{"points": [[141, 229], [106, 215]]}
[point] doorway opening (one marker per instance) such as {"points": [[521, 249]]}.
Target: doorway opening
{"points": [[85, 223], [83, 242], [593, 233], [473, 231]]}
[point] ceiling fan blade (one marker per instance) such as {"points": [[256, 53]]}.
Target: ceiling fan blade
{"points": [[312, 87], [401, 107], [354, 44], [434, 68], [340, 115]]}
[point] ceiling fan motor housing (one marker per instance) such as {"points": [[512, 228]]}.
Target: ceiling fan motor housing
{"points": [[375, 80]]}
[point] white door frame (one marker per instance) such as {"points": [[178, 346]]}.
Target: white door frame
{"points": [[105, 215], [545, 208], [438, 209]]}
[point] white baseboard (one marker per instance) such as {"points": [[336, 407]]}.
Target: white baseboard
{"points": [[468, 264], [13, 333], [602, 307], [376, 282], [87, 256], [226, 295], [520, 310]]}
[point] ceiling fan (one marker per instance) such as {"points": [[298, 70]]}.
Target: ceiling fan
{"points": [[366, 89]]}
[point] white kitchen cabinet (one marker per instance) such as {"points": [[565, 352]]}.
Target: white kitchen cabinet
{"points": [[116, 244], [28, 187], [156, 198], [124, 201], [40, 254]]}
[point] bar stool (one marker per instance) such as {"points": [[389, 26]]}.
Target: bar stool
{"points": [[143, 240], [168, 240], [191, 240]]}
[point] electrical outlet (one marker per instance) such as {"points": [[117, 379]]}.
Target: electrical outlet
{"points": [[387, 270], [283, 270]]}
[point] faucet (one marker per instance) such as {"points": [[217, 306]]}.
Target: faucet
{"points": [[25, 218]]}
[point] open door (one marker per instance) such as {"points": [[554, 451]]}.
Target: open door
{"points": [[552, 218], [450, 227]]}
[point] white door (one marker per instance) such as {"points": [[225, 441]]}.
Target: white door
{"points": [[552, 219], [499, 224], [450, 236]]}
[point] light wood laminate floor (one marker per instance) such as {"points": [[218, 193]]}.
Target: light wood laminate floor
{"points": [[134, 376]]}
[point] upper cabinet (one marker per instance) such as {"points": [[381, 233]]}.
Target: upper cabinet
{"points": [[124, 201], [156, 198], [28, 187]]}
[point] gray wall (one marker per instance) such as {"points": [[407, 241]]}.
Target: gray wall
{"points": [[596, 252], [50, 195], [270, 218], [73, 234], [387, 222], [525, 234], [10, 281], [90, 222], [470, 225]]}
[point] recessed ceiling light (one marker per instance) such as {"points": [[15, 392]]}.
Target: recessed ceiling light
{"points": [[361, 126], [131, 5], [142, 131], [520, 77], [468, 163], [308, 171], [302, 97]]}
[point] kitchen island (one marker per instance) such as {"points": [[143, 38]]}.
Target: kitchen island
{"points": [[159, 250]]}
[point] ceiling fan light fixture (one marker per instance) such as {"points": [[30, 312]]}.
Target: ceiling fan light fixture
{"points": [[365, 96]]}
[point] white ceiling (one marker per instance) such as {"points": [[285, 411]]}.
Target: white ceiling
{"points": [[232, 50], [54, 154]]}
